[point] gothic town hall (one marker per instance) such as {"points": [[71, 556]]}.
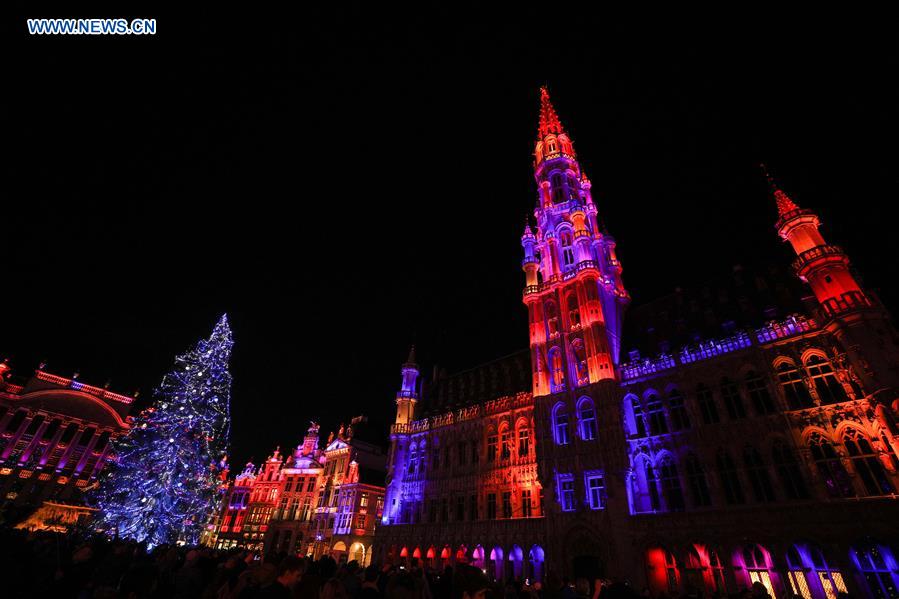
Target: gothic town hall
{"points": [[750, 438]]}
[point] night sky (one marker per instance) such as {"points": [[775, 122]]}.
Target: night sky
{"points": [[345, 183]]}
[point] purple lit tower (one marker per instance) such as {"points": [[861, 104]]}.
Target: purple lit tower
{"points": [[573, 287]]}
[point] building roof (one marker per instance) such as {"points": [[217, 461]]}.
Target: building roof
{"points": [[501, 377]]}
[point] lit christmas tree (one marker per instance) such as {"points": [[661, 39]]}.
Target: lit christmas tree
{"points": [[167, 477]]}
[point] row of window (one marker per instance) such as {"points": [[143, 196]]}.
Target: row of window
{"points": [[808, 573], [658, 487], [653, 416], [594, 491], [586, 422], [505, 505], [500, 446]]}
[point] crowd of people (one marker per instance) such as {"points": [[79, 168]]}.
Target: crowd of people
{"points": [[54, 565]]}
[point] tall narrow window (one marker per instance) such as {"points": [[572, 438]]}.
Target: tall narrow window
{"points": [[707, 406], [829, 389], [566, 492], [461, 453], [830, 468], [524, 442], [762, 489], [560, 424], [596, 490], [505, 444], [788, 471], [699, 486], [671, 489], [867, 464], [473, 507], [639, 420], [558, 190], [491, 506], [758, 394], [507, 504], [491, 447], [793, 386], [678, 411], [730, 479], [526, 506], [587, 419], [831, 579], [567, 249], [652, 487], [657, 423], [732, 400], [872, 561], [796, 574], [757, 567]]}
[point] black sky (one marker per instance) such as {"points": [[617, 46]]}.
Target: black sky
{"points": [[347, 181]]}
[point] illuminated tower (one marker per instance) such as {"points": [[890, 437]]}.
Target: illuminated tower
{"points": [[848, 311], [407, 396], [573, 287]]}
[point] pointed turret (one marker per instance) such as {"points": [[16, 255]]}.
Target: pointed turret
{"points": [[549, 120]]}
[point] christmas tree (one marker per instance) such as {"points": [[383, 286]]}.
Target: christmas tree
{"points": [[166, 479]]}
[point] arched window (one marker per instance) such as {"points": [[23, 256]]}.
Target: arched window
{"points": [[788, 471], [877, 565], [717, 569], [639, 428], [412, 460], [567, 249], [557, 369], [796, 574], [574, 314], [732, 400], [580, 362], [758, 567], [678, 411], [707, 406], [558, 190], [762, 489], [831, 579], [573, 188], [671, 489], [505, 443], [730, 479], [652, 487], [524, 441], [830, 468], [699, 486], [586, 419], [793, 386], [758, 394], [560, 424], [867, 464], [829, 389], [656, 412]]}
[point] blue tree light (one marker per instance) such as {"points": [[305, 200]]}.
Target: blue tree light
{"points": [[166, 479]]}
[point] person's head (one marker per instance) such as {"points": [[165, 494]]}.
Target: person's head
{"points": [[372, 573], [469, 583], [289, 570], [758, 589]]}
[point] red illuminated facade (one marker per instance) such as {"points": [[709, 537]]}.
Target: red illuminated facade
{"points": [[54, 441], [319, 501], [740, 431]]}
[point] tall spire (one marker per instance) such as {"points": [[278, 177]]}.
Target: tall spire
{"points": [[549, 120], [784, 204]]}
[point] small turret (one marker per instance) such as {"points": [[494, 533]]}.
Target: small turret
{"points": [[407, 396]]}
